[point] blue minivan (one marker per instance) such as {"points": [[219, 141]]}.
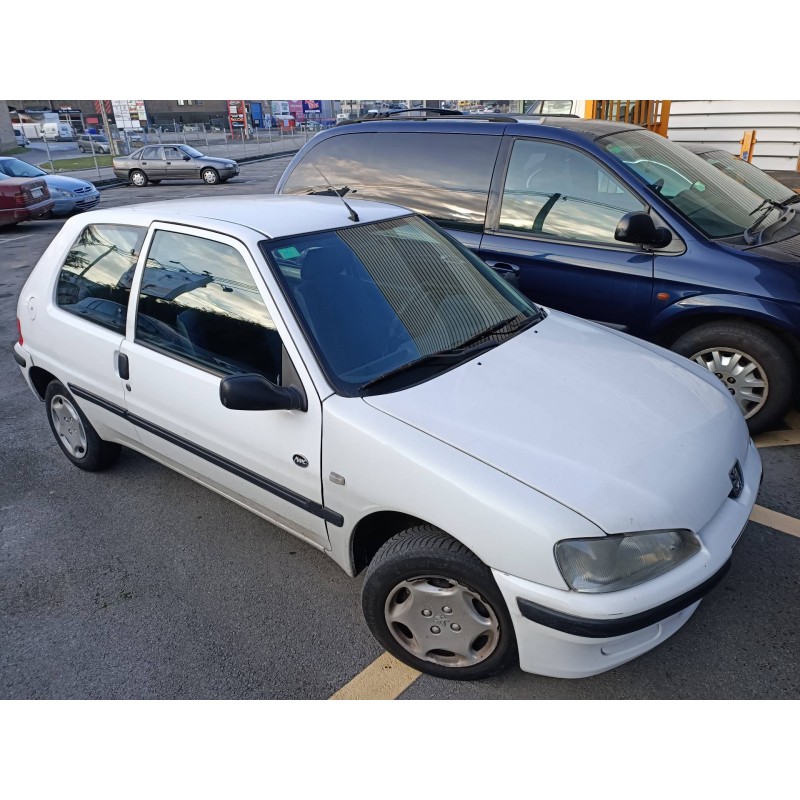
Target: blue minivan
{"points": [[604, 220]]}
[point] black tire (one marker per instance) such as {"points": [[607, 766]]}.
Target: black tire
{"points": [[155, 183], [209, 176], [427, 558], [772, 357], [80, 147], [137, 178], [97, 454]]}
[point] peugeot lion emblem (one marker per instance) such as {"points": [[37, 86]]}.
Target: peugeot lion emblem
{"points": [[737, 481]]}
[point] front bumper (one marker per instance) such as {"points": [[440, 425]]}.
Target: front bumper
{"points": [[82, 202], [567, 634]]}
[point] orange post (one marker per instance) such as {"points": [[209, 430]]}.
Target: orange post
{"points": [[747, 142]]}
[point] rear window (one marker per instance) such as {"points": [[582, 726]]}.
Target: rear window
{"points": [[95, 279], [445, 176]]}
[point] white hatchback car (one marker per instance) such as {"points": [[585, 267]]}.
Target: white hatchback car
{"points": [[516, 482]]}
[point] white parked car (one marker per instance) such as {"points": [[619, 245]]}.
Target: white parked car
{"points": [[517, 483]]}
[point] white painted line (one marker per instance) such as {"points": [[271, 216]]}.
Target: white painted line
{"points": [[16, 238], [774, 519], [384, 679]]}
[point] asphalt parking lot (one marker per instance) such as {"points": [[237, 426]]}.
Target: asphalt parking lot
{"points": [[138, 583]]}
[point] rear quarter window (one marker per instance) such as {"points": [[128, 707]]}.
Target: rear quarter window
{"points": [[95, 278], [445, 176]]}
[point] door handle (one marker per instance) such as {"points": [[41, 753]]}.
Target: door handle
{"points": [[123, 367], [508, 272]]}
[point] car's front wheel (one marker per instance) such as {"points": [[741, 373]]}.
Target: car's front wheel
{"points": [[138, 178], [754, 364], [434, 605], [210, 175], [74, 433]]}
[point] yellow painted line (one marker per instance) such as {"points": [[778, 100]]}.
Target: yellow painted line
{"points": [[777, 438], [792, 419], [774, 519], [384, 679]]}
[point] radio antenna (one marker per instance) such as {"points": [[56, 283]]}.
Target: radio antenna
{"points": [[353, 216]]}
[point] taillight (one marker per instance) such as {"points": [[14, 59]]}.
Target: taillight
{"points": [[20, 198], [19, 331]]}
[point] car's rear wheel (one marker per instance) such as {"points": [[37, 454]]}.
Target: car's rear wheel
{"points": [[434, 605], [138, 178], [80, 147], [754, 364], [74, 433], [210, 175]]}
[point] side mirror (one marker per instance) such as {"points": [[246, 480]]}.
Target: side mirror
{"points": [[255, 393], [637, 227], [187, 158]]}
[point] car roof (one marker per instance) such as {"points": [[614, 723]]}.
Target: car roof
{"points": [[273, 216], [497, 123]]}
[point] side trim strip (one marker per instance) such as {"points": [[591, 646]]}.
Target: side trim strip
{"points": [[19, 359], [241, 472], [606, 628]]}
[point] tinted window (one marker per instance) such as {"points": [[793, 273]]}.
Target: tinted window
{"points": [[445, 176], [552, 190], [95, 280], [152, 152], [198, 300], [380, 296]]}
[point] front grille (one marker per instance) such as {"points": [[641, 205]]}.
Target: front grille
{"points": [[82, 190], [88, 203]]}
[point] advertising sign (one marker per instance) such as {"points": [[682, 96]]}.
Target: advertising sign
{"points": [[314, 106], [236, 115], [129, 114], [296, 110]]}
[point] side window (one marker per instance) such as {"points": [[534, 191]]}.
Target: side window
{"points": [[173, 153], [556, 107], [556, 191], [445, 176], [153, 153], [95, 280], [198, 301]]}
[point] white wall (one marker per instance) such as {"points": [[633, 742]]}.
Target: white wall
{"points": [[723, 122]]}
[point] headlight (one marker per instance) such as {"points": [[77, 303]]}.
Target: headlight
{"points": [[612, 563], [63, 192]]}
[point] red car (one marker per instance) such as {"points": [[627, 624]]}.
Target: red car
{"points": [[23, 198]]}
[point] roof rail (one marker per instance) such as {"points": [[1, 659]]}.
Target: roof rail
{"points": [[430, 113]]}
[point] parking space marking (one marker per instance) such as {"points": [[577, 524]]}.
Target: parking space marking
{"points": [[774, 519], [16, 238], [777, 438], [384, 679]]}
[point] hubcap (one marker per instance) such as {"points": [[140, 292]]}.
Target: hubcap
{"points": [[440, 620], [68, 426], [138, 179], [209, 176], [741, 375]]}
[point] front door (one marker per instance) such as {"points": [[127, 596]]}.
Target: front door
{"points": [[555, 224], [177, 164], [200, 317]]}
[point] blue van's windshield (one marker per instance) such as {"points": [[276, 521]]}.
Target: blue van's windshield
{"points": [[388, 304], [717, 204]]}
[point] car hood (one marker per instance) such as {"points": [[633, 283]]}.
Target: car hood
{"points": [[602, 423], [220, 162], [63, 182]]}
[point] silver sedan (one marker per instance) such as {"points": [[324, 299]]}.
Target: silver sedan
{"points": [[154, 163]]}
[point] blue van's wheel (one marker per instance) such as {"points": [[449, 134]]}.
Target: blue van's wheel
{"points": [[755, 365]]}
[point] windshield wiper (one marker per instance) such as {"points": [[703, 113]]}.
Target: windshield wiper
{"points": [[537, 316], [750, 235], [446, 358], [795, 198]]}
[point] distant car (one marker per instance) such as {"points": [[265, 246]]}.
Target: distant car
{"points": [[155, 163], [22, 139], [755, 179], [22, 199], [70, 194], [93, 142]]}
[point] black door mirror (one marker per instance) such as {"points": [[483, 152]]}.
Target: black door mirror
{"points": [[255, 393], [639, 228], [187, 158]]}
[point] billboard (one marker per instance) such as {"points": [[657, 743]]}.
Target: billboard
{"points": [[314, 106]]}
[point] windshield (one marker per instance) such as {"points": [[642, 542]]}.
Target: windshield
{"points": [[745, 173], [15, 168], [190, 151], [389, 296], [717, 204]]}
